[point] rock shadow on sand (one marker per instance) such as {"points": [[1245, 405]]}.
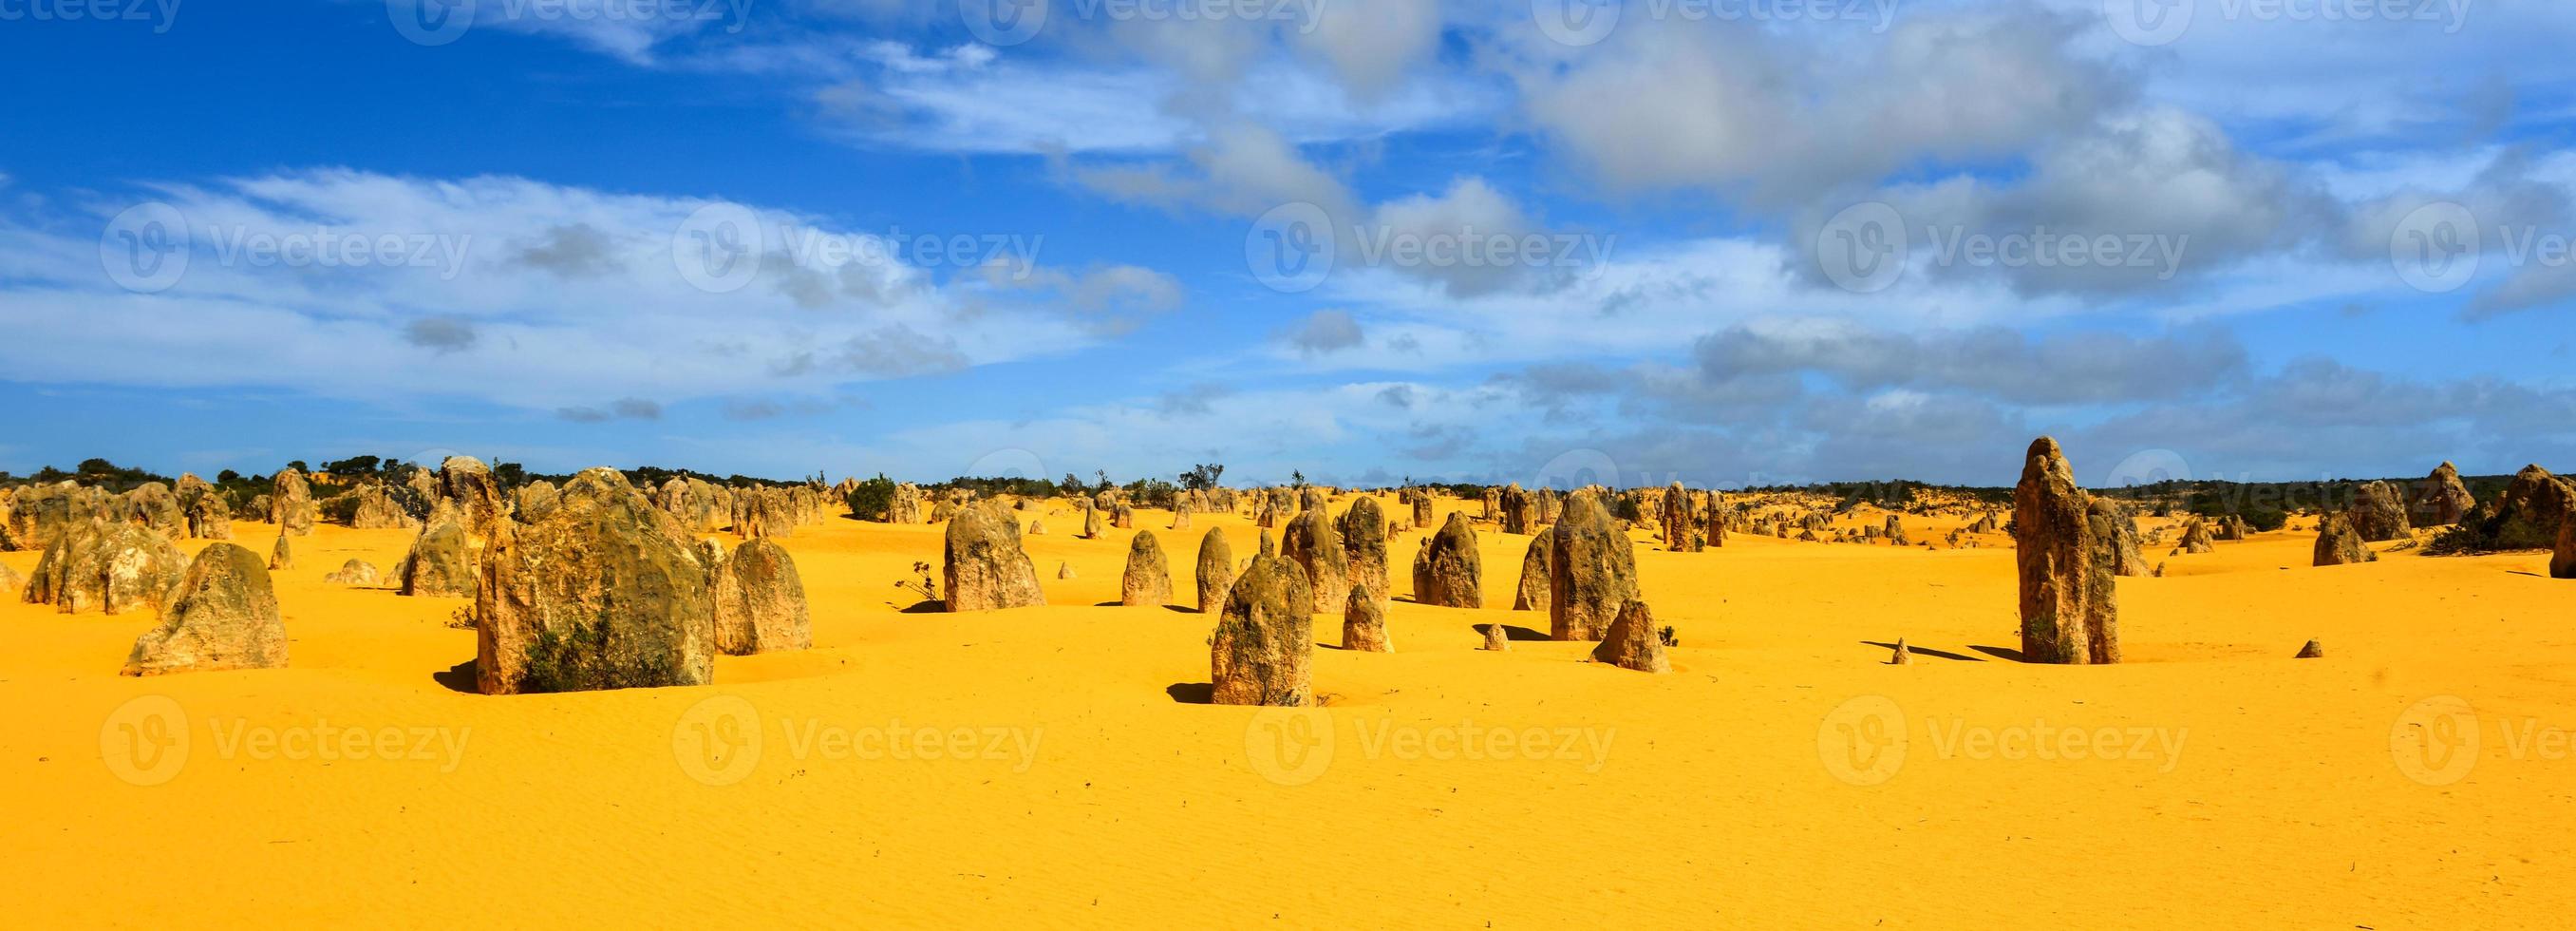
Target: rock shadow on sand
{"points": [[1938, 654]]}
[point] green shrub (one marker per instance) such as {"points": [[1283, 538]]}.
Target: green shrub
{"points": [[870, 500]]}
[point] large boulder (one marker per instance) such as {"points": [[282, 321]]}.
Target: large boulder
{"points": [[1216, 570], [2066, 588], [604, 593], [377, 510], [1264, 642], [1632, 641], [153, 505], [1713, 522], [1592, 573], [2377, 513], [763, 513], [1364, 622], [281, 555], [1422, 513], [1148, 579], [760, 601], [2529, 514], [905, 506], [2441, 498], [209, 516], [223, 615], [38, 514], [533, 501], [356, 572], [441, 562], [985, 568], [1092, 527], [1519, 511], [2339, 544], [290, 502], [1447, 571], [1363, 529], [2117, 534], [2562, 559], [1311, 542], [1536, 567], [2197, 538], [467, 482], [1681, 521], [108, 566]]}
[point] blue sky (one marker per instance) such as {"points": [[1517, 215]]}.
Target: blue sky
{"points": [[1775, 242]]}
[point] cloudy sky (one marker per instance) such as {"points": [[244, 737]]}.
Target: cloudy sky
{"points": [[1728, 242]]}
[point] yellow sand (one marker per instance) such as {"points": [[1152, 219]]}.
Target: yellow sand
{"points": [[2238, 787]]}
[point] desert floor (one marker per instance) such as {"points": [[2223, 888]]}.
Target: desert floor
{"points": [[1043, 767]]}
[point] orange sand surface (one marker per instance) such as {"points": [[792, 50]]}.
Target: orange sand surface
{"points": [[1784, 776]]}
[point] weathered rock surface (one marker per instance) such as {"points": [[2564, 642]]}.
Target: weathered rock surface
{"points": [[1536, 567], [467, 482], [985, 566], [1263, 648], [2066, 588], [2338, 544], [1216, 570], [2441, 498], [290, 502], [1363, 530], [760, 601], [1592, 572], [356, 572], [108, 566], [223, 615], [1632, 641], [1311, 542], [1148, 579], [440, 564], [605, 593], [2377, 513], [1447, 571], [1364, 622]]}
